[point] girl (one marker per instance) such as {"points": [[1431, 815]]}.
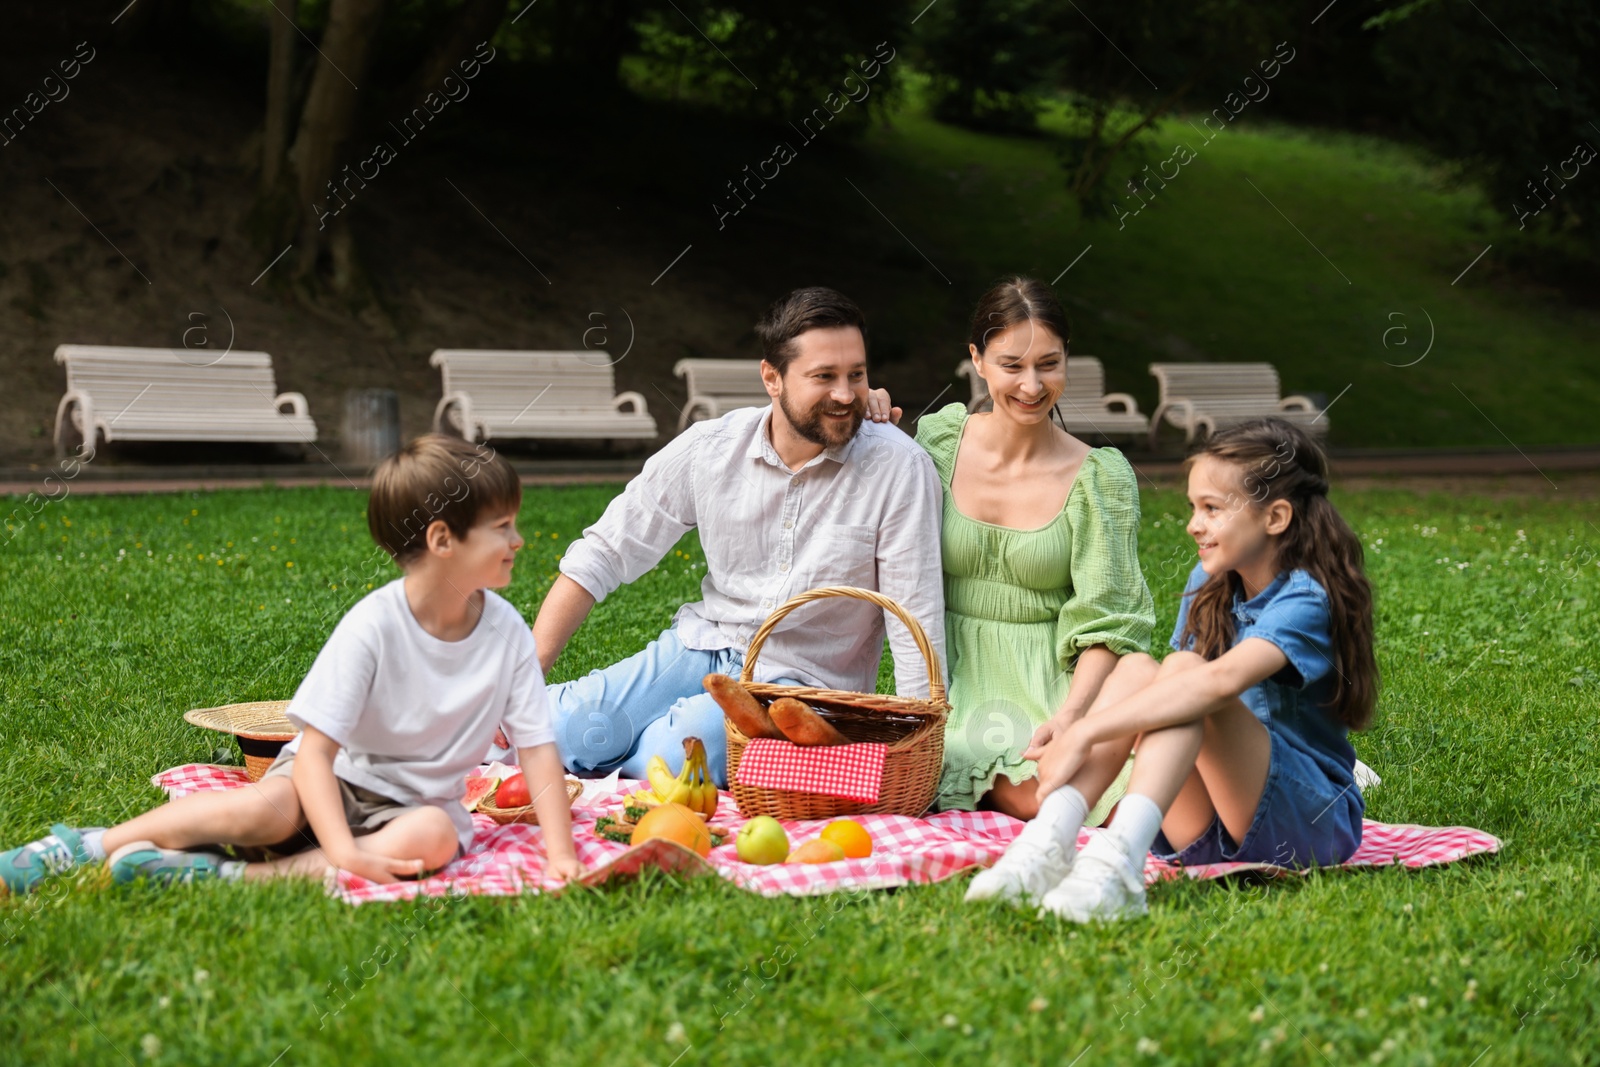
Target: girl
{"points": [[1040, 556], [1242, 747]]}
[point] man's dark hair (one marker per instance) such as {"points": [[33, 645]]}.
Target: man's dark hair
{"points": [[815, 307]]}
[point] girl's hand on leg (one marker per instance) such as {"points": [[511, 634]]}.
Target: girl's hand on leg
{"points": [[1047, 732], [1061, 759]]}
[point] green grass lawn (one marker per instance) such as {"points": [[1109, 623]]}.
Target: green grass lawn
{"points": [[1339, 267], [119, 613]]}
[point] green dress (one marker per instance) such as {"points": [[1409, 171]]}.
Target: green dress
{"points": [[1021, 604]]}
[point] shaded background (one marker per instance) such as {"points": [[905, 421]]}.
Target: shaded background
{"points": [[1392, 217]]}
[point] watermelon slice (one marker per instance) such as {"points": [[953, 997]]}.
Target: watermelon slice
{"points": [[478, 787]]}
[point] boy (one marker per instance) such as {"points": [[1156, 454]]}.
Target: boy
{"points": [[401, 702]]}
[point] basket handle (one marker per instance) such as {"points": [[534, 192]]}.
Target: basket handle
{"points": [[936, 693]]}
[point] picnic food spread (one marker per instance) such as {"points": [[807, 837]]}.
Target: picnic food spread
{"points": [[513, 793], [671, 804], [850, 836], [785, 719], [817, 851], [673, 822], [763, 840], [740, 707], [478, 788], [692, 787], [802, 725]]}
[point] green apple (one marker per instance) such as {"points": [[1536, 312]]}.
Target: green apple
{"points": [[762, 841]]}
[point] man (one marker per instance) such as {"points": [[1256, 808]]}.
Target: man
{"points": [[788, 497]]}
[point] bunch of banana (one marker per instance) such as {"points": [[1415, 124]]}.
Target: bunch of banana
{"points": [[692, 787]]}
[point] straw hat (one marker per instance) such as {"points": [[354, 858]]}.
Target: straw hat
{"points": [[261, 728]]}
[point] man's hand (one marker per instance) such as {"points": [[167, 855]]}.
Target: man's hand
{"points": [[879, 408], [372, 866]]}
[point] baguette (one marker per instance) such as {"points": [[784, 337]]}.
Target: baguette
{"points": [[802, 725], [740, 708]]}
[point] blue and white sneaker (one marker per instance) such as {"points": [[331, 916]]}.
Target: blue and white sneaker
{"points": [[22, 869], [163, 866]]}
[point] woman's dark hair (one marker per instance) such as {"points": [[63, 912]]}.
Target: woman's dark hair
{"points": [[1279, 461], [1012, 303], [813, 308], [1015, 301]]}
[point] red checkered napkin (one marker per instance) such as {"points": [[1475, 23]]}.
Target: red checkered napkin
{"points": [[854, 772]]}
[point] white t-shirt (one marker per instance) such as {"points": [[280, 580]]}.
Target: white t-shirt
{"points": [[413, 713]]}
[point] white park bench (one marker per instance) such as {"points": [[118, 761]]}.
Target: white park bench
{"points": [[717, 386], [1085, 406], [553, 395], [1206, 397], [175, 394]]}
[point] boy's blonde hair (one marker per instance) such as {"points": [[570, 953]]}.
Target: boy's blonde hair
{"points": [[437, 478]]}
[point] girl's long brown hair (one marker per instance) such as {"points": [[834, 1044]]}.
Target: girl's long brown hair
{"points": [[1279, 461]]}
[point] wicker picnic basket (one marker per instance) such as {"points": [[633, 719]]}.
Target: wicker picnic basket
{"points": [[912, 728], [526, 813], [260, 727]]}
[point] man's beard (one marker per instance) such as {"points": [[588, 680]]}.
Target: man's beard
{"points": [[819, 430]]}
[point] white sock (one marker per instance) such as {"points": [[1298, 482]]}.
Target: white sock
{"points": [[94, 842], [1061, 816], [1137, 821], [231, 870]]}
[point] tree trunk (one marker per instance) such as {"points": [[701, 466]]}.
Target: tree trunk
{"points": [[280, 90], [475, 21], [328, 119]]}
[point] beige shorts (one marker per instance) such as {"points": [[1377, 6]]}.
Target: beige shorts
{"points": [[365, 811]]}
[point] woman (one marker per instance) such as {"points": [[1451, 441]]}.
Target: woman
{"points": [[1043, 590]]}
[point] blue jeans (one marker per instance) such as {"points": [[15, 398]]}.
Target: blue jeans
{"points": [[617, 717]]}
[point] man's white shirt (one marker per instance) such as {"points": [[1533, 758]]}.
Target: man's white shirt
{"points": [[866, 513]]}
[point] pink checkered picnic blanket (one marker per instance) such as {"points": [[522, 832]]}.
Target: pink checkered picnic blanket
{"points": [[854, 772], [506, 860]]}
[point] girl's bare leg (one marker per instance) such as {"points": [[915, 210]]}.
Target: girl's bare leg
{"points": [[1201, 770]]}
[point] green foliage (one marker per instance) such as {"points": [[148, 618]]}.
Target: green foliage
{"points": [[767, 60], [986, 62], [122, 611], [1122, 67], [1508, 90]]}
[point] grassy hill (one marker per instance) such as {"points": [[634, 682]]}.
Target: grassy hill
{"points": [[518, 216]]}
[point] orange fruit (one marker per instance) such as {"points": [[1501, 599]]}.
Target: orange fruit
{"points": [[674, 822], [816, 851], [850, 836]]}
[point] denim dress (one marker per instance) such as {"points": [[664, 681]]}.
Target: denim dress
{"points": [[1311, 809]]}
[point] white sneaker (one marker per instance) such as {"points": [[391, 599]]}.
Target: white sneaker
{"points": [[1026, 871], [1102, 886]]}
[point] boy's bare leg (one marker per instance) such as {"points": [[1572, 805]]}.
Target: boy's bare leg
{"points": [[262, 813], [426, 834]]}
